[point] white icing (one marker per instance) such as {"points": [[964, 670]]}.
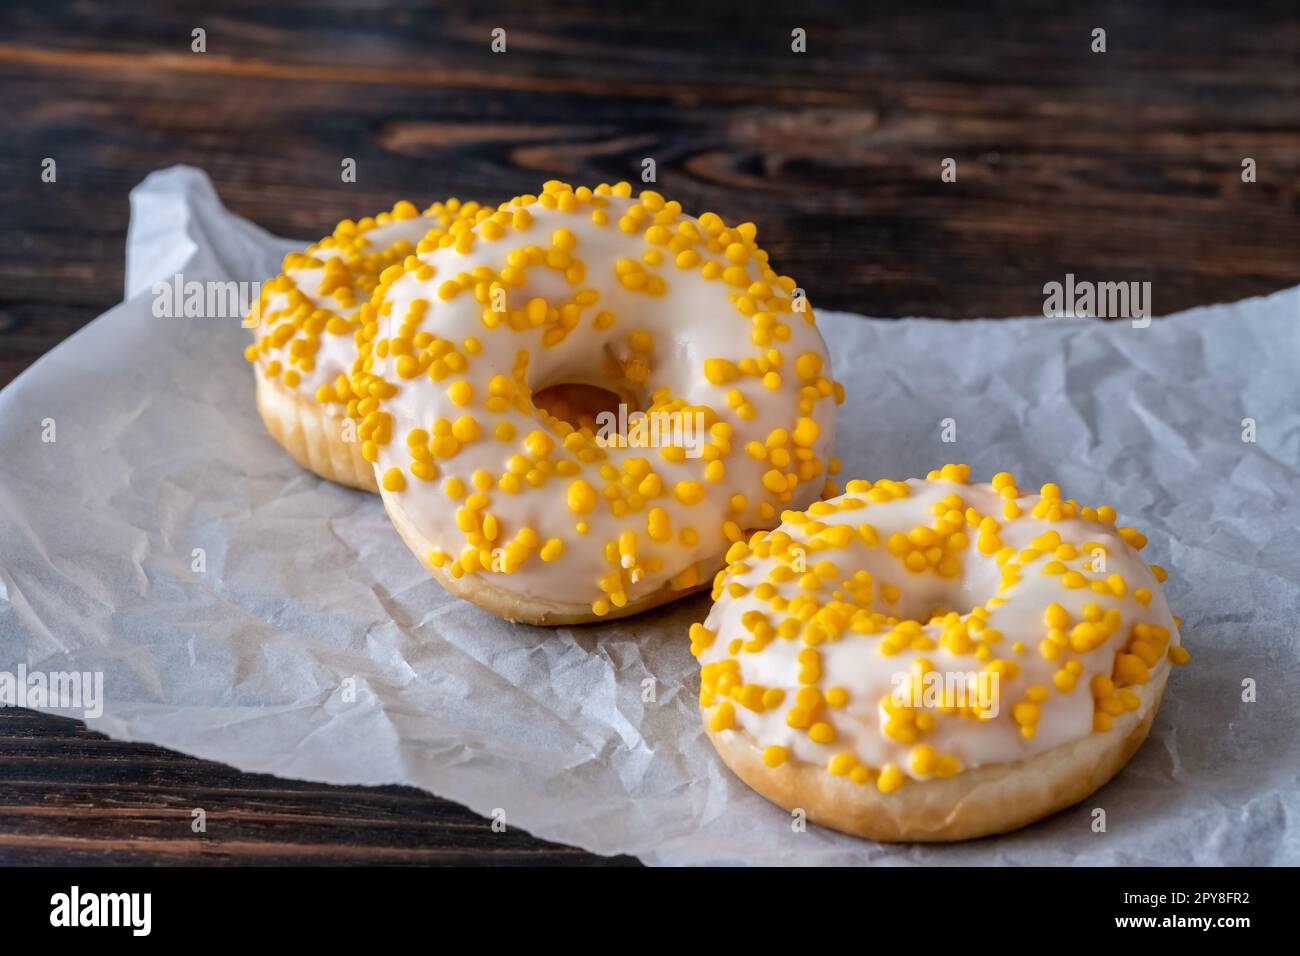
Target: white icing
{"points": [[337, 353], [854, 663], [693, 321]]}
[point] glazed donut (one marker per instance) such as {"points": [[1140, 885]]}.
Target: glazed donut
{"points": [[306, 323], [934, 660], [539, 519]]}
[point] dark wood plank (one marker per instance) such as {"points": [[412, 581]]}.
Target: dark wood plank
{"points": [[1124, 165], [75, 797], [1117, 166]]}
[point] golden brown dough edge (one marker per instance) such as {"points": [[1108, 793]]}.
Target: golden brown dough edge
{"points": [[477, 589], [313, 434], [978, 802]]}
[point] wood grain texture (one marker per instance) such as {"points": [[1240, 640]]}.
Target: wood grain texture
{"points": [[73, 797], [1118, 166]]}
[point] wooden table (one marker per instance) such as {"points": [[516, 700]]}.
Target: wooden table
{"points": [[1117, 166]]}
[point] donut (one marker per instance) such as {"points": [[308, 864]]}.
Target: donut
{"points": [[933, 660], [718, 405], [305, 326]]}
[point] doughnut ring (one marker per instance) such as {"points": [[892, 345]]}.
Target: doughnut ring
{"points": [[306, 321], [719, 412], [933, 660]]}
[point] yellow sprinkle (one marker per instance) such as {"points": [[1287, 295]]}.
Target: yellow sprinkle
{"points": [[581, 497], [465, 429], [890, 779], [461, 392], [1056, 616], [822, 733], [724, 718], [689, 492], [841, 765], [394, 480], [720, 371]]}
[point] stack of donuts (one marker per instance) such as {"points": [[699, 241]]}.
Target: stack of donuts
{"points": [[584, 403]]}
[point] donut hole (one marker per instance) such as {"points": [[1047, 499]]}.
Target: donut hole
{"points": [[577, 403], [929, 604], [926, 597]]}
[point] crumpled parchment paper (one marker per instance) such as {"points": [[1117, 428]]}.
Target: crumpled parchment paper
{"points": [[313, 646]]}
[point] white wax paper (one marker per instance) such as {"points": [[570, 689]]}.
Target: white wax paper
{"points": [[159, 450]]}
